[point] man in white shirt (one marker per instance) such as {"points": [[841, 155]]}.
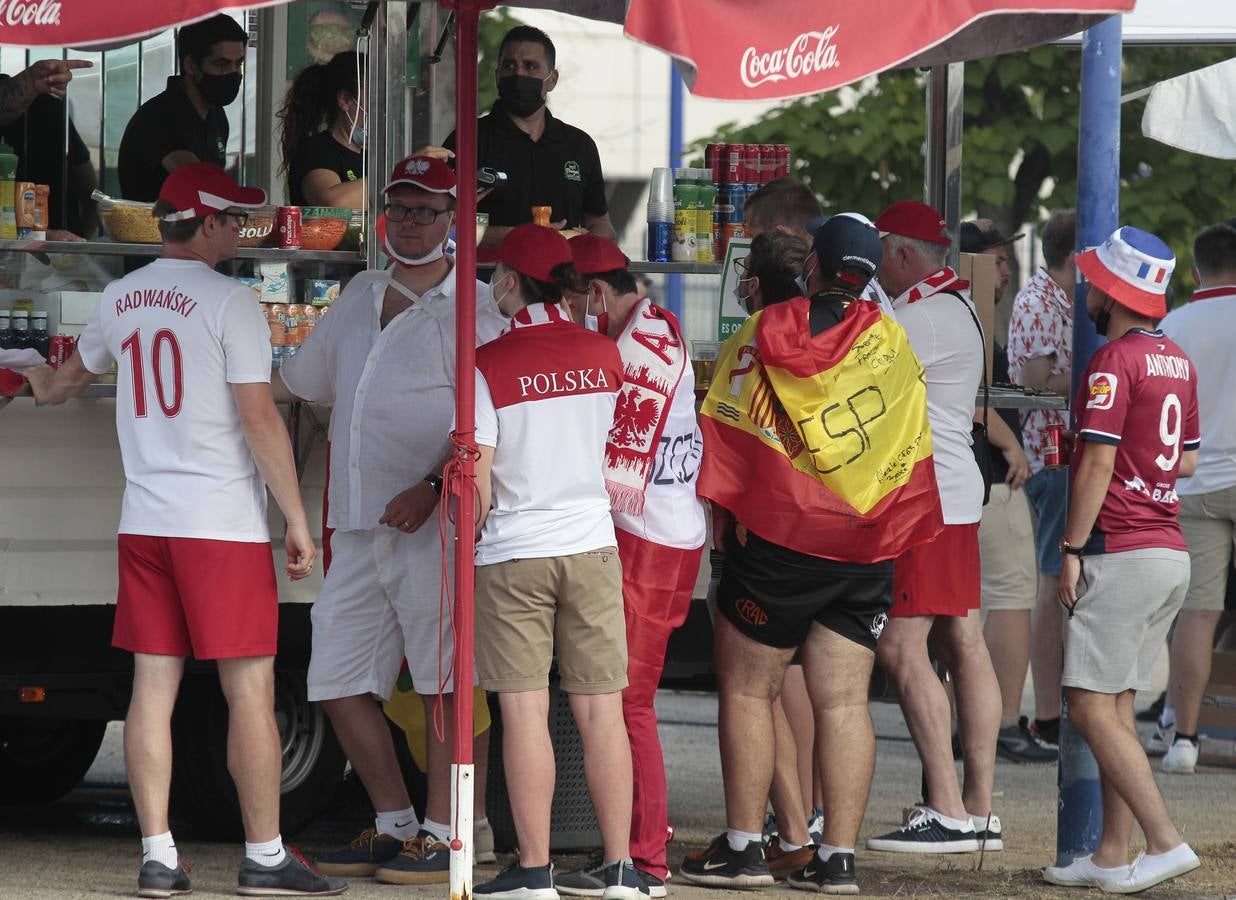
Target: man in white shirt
{"points": [[200, 439], [659, 521], [936, 585], [1205, 329], [384, 358]]}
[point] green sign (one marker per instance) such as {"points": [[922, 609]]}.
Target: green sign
{"points": [[731, 315]]}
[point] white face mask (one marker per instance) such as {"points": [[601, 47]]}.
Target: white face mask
{"points": [[498, 300], [434, 254], [356, 134], [591, 322]]}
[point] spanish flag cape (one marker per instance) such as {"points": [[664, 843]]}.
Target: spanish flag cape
{"points": [[821, 444]]}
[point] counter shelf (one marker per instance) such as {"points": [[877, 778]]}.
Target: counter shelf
{"points": [[115, 248]]}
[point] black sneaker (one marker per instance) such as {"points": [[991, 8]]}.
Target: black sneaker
{"points": [[362, 857], [1047, 734], [293, 877], [833, 877], [423, 860], [925, 833], [719, 866], [1018, 745], [623, 882], [1152, 712], [157, 880], [517, 883], [656, 886]]}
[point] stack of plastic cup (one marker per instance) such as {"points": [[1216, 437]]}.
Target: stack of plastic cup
{"points": [[660, 215]]}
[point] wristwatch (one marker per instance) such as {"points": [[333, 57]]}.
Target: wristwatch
{"points": [[1066, 547], [435, 482]]}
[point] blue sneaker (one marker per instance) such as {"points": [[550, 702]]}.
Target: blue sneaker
{"points": [[518, 883], [367, 852], [623, 882]]}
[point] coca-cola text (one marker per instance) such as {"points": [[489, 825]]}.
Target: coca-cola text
{"points": [[29, 12], [812, 51]]}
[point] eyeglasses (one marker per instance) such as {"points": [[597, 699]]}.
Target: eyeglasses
{"points": [[241, 218], [742, 267], [420, 215]]}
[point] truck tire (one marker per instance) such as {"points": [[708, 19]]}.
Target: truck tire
{"points": [[41, 760], [202, 789]]}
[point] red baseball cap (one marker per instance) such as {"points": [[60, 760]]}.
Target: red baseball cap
{"points": [[914, 219], [202, 189], [594, 254], [423, 172], [534, 250]]}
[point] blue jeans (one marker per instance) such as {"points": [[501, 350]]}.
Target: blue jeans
{"points": [[1047, 490]]}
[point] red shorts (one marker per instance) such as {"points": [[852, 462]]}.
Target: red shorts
{"points": [[940, 577], [214, 599]]}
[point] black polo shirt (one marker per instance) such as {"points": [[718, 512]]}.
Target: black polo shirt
{"points": [[321, 151], [562, 170], [162, 125]]}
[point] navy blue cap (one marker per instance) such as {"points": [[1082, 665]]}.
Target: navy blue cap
{"points": [[849, 243]]}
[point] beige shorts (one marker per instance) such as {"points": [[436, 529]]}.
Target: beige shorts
{"points": [[528, 609], [1006, 550], [1206, 521]]}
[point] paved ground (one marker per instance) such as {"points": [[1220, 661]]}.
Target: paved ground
{"points": [[86, 845]]}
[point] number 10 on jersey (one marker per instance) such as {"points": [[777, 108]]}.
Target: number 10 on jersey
{"points": [[164, 352]]}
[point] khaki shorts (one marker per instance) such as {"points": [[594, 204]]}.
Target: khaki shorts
{"points": [[528, 609], [1206, 521], [1125, 604], [1006, 550]]}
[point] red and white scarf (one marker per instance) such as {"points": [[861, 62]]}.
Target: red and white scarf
{"points": [[653, 360], [539, 314], [941, 280]]}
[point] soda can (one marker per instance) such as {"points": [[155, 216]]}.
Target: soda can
{"points": [[768, 163], [733, 170], [730, 200], [729, 231], [713, 154], [1055, 448], [287, 227], [751, 162], [660, 236], [60, 349], [782, 161]]}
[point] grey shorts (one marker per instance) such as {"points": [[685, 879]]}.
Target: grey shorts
{"points": [[1126, 603], [1208, 522]]}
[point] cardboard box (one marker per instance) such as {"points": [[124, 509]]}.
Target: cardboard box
{"points": [[1218, 716], [980, 270]]}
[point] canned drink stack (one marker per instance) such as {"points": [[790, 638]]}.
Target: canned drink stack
{"points": [[782, 157], [768, 163], [751, 163], [713, 154], [734, 170]]}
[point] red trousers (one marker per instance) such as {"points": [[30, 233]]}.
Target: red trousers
{"points": [[657, 583]]}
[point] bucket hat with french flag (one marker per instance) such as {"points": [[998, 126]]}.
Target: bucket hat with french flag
{"points": [[1132, 267]]}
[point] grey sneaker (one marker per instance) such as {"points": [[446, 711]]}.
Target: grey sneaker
{"points": [[588, 882], [293, 877], [157, 880]]}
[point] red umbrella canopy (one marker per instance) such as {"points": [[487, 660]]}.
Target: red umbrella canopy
{"points": [[738, 50], [84, 23]]}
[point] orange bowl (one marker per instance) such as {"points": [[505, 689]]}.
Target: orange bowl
{"points": [[323, 227]]}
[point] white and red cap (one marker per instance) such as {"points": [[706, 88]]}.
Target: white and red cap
{"points": [[1132, 267], [202, 189], [423, 172]]}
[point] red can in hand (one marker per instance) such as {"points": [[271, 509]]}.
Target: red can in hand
{"points": [[1055, 447], [60, 350]]}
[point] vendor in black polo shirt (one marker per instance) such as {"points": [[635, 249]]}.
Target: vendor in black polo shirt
{"points": [[186, 123], [548, 163]]}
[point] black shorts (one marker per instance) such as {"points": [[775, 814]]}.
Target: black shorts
{"points": [[772, 594]]}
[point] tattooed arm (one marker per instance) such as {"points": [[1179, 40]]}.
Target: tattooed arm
{"points": [[47, 76]]}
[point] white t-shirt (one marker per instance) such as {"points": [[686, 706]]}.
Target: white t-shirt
{"points": [[182, 334], [392, 389], [673, 513], [545, 397], [950, 347], [1205, 329]]}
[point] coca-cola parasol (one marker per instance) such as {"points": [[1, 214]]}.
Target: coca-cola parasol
{"points": [[88, 23], [790, 48]]}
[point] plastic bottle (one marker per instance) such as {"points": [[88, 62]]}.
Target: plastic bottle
{"points": [[686, 203], [704, 251], [8, 185], [39, 338]]}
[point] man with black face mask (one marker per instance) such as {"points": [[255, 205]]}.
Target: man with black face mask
{"points": [[548, 162], [186, 123]]}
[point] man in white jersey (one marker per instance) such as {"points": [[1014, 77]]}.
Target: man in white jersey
{"points": [[659, 521], [1205, 329], [200, 439], [384, 359]]}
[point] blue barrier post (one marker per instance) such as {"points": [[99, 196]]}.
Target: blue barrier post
{"points": [[1079, 818], [674, 285]]}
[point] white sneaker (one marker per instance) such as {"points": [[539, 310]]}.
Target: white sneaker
{"points": [[483, 843], [990, 835], [1082, 872], [1148, 870], [1181, 757]]}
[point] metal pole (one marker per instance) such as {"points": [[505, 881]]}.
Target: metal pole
{"points": [[462, 769], [673, 284], [1079, 819], [945, 113]]}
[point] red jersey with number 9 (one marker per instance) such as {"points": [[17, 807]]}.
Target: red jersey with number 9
{"points": [[181, 335], [1139, 394]]}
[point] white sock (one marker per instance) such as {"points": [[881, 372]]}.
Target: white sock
{"points": [[478, 823], [827, 850], [1167, 718], [740, 839], [161, 848], [787, 847], [437, 829], [269, 853], [955, 824], [400, 824]]}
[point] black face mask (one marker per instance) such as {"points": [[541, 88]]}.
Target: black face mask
{"points": [[219, 90], [521, 94]]}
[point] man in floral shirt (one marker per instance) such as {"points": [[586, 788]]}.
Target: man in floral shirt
{"points": [[1040, 349]]}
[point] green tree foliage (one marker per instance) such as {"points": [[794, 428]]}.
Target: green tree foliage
{"points": [[863, 147]]}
